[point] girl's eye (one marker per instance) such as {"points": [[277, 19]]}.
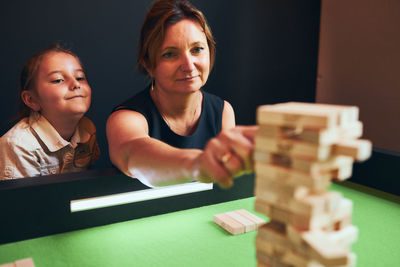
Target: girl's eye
{"points": [[57, 81], [80, 79]]}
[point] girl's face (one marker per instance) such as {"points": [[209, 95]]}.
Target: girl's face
{"points": [[183, 63], [61, 87]]}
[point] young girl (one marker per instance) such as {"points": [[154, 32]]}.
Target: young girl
{"points": [[52, 136]]}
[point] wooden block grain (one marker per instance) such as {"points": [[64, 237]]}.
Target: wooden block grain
{"points": [[229, 224], [257, 220], [312, 135], [294, 148], [24, 263], [307, 115], [289, 114], [359, 149], [238, 221], [248, 224], [315, 183], [28, 262]]}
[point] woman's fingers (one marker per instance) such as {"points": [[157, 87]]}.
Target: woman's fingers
{"points": [[241, 146], [228, 155]]}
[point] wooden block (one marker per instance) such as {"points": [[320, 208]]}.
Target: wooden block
{"points": [[262, 264], [310, 205], [273, 158], [28, 262], [268, 234], [312, 135], [229, 224], [268, 260], [315, 183], [285, 255], [323, 215], [293, 148], [346, 235], [257, 220], [346, 114], [360, 149], [326, 252], [339, 167], [272, 212], [352, 131], [336, 165], [295, 259], [278, 190], [24, 263], [307, 115], [248, 224], [289, 114], [343, 172], [316, 204], [238, 221]]}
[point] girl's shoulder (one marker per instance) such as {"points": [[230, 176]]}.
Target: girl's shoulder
{"points": [[20, 135]]}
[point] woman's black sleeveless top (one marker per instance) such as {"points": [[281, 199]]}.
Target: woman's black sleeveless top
{"points": [[208, 127]]}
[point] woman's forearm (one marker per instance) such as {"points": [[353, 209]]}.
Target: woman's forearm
{"points": [[156, 163]]}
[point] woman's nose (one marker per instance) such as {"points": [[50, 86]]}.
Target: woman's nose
{"points": [[187, 64]]}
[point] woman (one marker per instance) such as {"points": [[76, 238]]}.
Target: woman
{"points": [[174, 132]]}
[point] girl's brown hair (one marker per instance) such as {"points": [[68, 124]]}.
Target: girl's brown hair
{"points": [[162, 14]]}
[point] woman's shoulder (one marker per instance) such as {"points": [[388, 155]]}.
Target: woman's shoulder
{"points": [[213, 101], [138, 101]]}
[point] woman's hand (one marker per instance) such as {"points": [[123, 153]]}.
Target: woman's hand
{"points": [[227, 156]]}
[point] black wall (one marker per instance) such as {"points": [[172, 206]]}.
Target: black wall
{"points": [[266, 50]]}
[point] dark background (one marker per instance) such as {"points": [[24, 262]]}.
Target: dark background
{"points": [[266, 51]]}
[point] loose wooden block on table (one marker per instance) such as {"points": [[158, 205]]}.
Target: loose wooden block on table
{"points": [[248, 224], [257, 220], [28, 262], [229, 224], [239, 221]]}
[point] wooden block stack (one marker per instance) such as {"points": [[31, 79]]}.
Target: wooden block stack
{"points": [[300, 148]]}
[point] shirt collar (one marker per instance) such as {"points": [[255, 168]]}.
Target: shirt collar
{"points": [[52, 139]]}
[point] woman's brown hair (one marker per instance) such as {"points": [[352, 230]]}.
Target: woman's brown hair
{"points": [[162, 14]]}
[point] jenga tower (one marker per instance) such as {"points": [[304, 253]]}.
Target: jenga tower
{"points": [[300, 148]]}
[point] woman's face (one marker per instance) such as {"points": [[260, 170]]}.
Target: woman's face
{"points": [[183, 62], [61, 86]]}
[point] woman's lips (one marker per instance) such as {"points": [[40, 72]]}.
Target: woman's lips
{"points": [[187, 78]]}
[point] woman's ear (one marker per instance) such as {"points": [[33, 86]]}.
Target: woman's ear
{"points": [[30, 99], [149, 70]]}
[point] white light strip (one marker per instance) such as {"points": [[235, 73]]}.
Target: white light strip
{"points": [[137, 196]]}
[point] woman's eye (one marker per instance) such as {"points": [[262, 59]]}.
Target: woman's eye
{"points": [[168, 55], [198, 49]]}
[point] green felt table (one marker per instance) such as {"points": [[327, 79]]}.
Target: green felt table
{"points": [[191, 238]]}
